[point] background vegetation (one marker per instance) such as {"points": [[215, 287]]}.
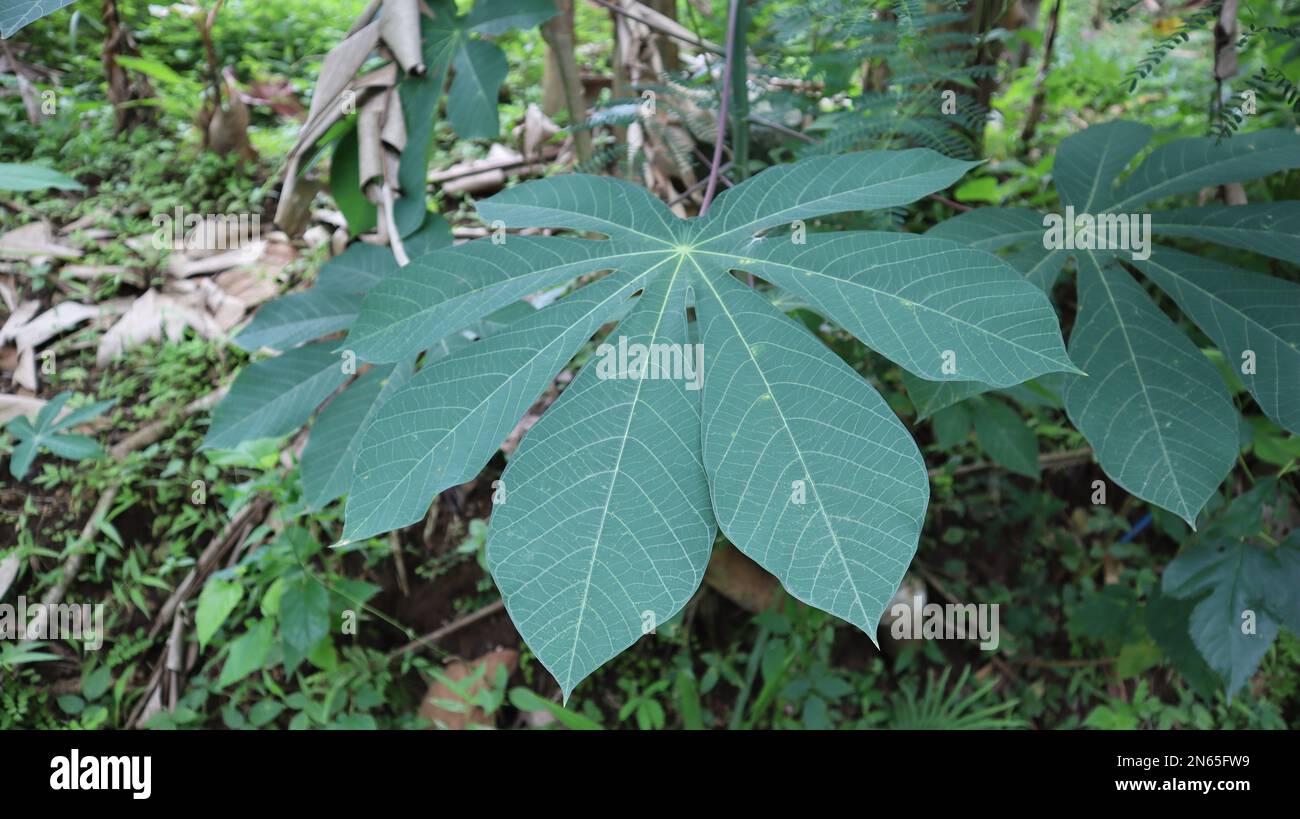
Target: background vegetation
{"points": [[1011, 520]]}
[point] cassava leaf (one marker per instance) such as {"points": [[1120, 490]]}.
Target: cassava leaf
{"points": [[14, 14], [492, 17], [441, 428], [50, 432], [606, 514], [276, 396], [925, 303], [1254, 320], [472, 101], [1160, 419], [811, 474], [331, 450], [630, 498], [20, 177], [1155, 412], [1271, 228]]}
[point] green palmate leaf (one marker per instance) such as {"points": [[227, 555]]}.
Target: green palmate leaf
{"points": [[14, 177], [50, 432], [441, 428], [14, 14], [331, 450], [1005, 437], [356, 269], [1244, 590], [1271, 228], [824, 185], [298, 317], [1188, 165], [441, 293], [472, 101], [276, 396], [1253, 319], [615, 467], [1155, 413], [605, 517], [940, 310], [1088, 162], [998, 228], [811, 474], [1156, 410], [492, 17], [332, 305]]}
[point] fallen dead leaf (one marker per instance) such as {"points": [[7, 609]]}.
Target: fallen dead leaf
{"points": [[183, 265], [59, 318], [456, 671], [12, 406], [34, 240], [17, 319]]}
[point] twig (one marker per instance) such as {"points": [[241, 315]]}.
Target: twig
{"points": [[137, 440], [233, 533], [939, 587], [146, 435], [660, 23], [1052, 460], [451, 628], [695, 188], [716, 166]]}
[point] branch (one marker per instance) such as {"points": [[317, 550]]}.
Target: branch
{"points": [[716, 166]]}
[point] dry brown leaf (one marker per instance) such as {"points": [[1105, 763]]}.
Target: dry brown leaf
{"points": [[9, 293], [141, 323], [34, 239], [17, 319], [439, 692], [59, 318], [183, 266], [12, 406], [536, 129], [25, 372], [154, 315], [337, 70], [399, 26]]}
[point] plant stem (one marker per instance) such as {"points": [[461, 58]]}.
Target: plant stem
{"points": [[716, 166]]}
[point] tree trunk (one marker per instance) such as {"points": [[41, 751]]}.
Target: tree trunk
{"points": [[667, 45], [123, 87], [1225, 67], [1040, 89], [561, 61]]}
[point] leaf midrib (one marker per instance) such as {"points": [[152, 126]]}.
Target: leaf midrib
{"points": [[614, 473], [1137, 369], [785, 424], [487, 398], [895, 298]]}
